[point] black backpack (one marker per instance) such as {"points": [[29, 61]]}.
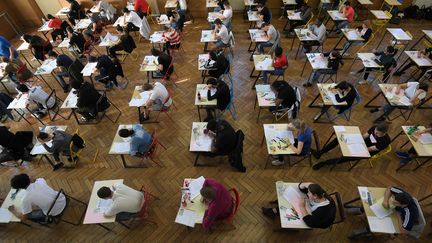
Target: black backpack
{"points": [[235, 157], [78, 141], [411, 12]]}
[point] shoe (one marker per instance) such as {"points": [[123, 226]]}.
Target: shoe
{"points": [[403, 155], [83, 119], [143, 117], [307, 85], [277, 162], [405, 161], [58, 166], [354, 211], [373, 110], [268, 212], [318, 166], [316, 154]]}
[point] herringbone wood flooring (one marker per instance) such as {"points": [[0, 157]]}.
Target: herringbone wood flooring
{"points": [[256, 187]]}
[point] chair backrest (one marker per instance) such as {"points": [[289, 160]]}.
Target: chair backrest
{"points": [[231, 39], [419, 226], [75, 71], [382, 152], [236, 204], [143, 213], [340, 211]]}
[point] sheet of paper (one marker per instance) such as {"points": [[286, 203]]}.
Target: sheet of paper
{"points": [[425, 138], [379, 210], [286, 134], [195, 186], [333, 98], [404, 100], [356, 149], [363, 193], [262, 88], [384, 225], [88, 69], [121, 147], [339, 128], [186, 217], [40, 149], [136, 102], [5, 215], [103, 205], [291, 194], [353, 138]]}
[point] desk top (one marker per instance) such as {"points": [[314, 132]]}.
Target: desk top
{"points": [[265, 96], [121, 145], [428, 33], [171, 3], [207, 36], [317, 60], [263, 62], [211, 4], [305, 35], [200, 142], [24, 46], [368, 60], [64, 43], [93, 216], [120, 21], [399, 34], [420, 60], [63, 12], [157, 37], [149, 64], [422, 150], [89, 69], [352, 35], [44, 27], [202, 90], [351, 142], [82, 24], [17, 202], [252, 16], [289, 2], [20, 102], [393, 2], [70, 101], [47, 67], [191, 210], [292, 15], [202, 61], [287, 194], [38, 148], [139, 97], [212, 16], [109, 40], [163, 20], [394, 99], [278, 139], [335, 15], [379, 14], [249, 3], [389, 224], [328, 97], [365, 2], [258, 35]]}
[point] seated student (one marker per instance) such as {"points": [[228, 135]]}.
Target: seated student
{"points": [[376, 139], [39, 45], [414, 91], [76, 39], [285, 95], [140, 140], [39, 196], [271, 37], [63, 63], [319, 32], [220, 65], [224, 137], [141, 8], [302, 143], [5, 113], [407, 156], [404, 205], [60, 144], [264, 15], [74, 12], [218, 200], [305, 14], [17, 70], [348, 12], [279, 63], [333, 64], [6, 49], [158, 99], [221, 34], [88, 46], [226, 15], [125, 43], [15, 146], [172, 39], [344, 92], [385, 59], [172, 19], [37, 95], [107, 71], [426, 53], [222, 95], [88, 98], [364, 31], [164, 64], [127, 202], [59, 27], [322, 207], [131, 20], [97, 26]]}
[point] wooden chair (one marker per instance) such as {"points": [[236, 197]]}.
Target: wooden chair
{"points": [[281, 113], [151, 153], [235, 195], [76, 146], [165, 109], [379, 155], [308, 155], [283, 74], [125, 54], [340, 213], [59, 218]]}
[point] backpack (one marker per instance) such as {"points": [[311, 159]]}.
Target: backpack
{"points": [[428, 12], [411, 11], [78, 141]]}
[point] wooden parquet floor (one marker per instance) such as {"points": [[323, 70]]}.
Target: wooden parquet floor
{"points": [[256, 187]]}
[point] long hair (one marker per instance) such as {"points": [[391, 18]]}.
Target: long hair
{"points": [[319, 192], [300, 125]]}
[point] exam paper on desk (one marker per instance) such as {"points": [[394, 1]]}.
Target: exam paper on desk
{"points": [[384, 225], [378, 209], [353, 138], [186, 217], [103, 205], [339, 129], [122, 147], [5, 215], [356, 149], [195, 186], [425, 138]]}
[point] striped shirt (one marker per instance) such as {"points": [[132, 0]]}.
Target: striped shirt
{"points": [[173, 37]]}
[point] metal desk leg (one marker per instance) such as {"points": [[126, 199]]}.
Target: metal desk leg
{"points": [[311, 105], [354, 165], [35, 116], [304, 66], [421, 164], [328, 140], [348, 204], [76, 117], [205, 47], [367, 105], [49, 160], [415, 44], [199, 113], [139, 114], [259, 112], [292, 44], [400, 133], [256, 79], [196, 159], [108, 229], [124, 161], [382, 38], [22, 116], [340, 39]]}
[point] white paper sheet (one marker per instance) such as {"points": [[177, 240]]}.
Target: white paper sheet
{"points": [[121, 147], [291, 195], [195, 186], [404, 100], [5, 215], [379, 210], [363, 191], [339, 128], [103, 205], [286, 134], [425, 138], [384, 225], [186, 217], [264, 64], [356, 149], [262, 88], [88, 69], [353, 138]]}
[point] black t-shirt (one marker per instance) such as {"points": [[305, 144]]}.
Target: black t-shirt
{"points": [[6, 137], [222, 95], [127, 43], [287, 95], [266, 13], [64, 61], [105, 65], [380, 142], [87, 96], [78, 40], [410, 213], [323, 216], [226, 139], [165, 60], [349, 98]]}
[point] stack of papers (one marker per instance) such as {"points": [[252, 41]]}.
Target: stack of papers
{"points": [[103, 205], [356, 149], [264, 64], [88, 69], [195, 186], [425, 138], [291, 194], [384, 225], [111, 38], [186, 217]]}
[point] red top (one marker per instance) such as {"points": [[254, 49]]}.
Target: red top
{"points": [[141, 5], [221, 207], [280, 62], [172, 37], [55, 23], [349, 13]]}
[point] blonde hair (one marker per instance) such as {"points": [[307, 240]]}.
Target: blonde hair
{"points": [[299, 124]]}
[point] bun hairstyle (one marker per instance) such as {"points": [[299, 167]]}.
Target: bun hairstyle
{"points": [[317, 190]]}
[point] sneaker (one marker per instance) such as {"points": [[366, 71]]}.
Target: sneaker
{"points": [[316, 154], [277, 162], [373, 110], [403, 155], [268, 212], [83, 119], [318, 166], [143, 117], [58, 166], [354, 211]]}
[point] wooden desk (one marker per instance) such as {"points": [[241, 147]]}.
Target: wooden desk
{"points": [[45, 29], [380, 15], [248, 5], [278, 139], [139, 98], [304, 35], [211, 4], [200, 142], [257, 36], [171, 4], [369, 63], [163, 20], [158, 38], [121, 146], [317, 61], [47, 68], [203, 60], [206, 37], [351, 36], [291, 16], [63, 12], [203, 103], [398, 35], [427, 34], [92, 216], [17, 202], [212, 16], [39, 149], [289, 218], [265, 97], [25, 47], [149, 65], [328, 98], [336, 17], [191, 210], [21, 103], [82, 24], [88, 70], [71, 103], [261, 63], [108, 41]]}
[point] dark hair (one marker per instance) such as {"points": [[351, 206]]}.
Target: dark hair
{"points": [[390, 49], [218, 21], [226, 2], [21, 181], [260, 5], [27, 38], [208, 192], [300, 2], [403, 198], [155, 52], [75, 84], [424, 86], [147, 86], [278, 51], [347, 3], [212, 81], [344, 85], [320, 20], [336, 54], [22, 88], [213, 55], [124, 133], [265, 24], [43, 135], [382, 127], [104, 192], [119, 28], [52, 53], [278, 85], [317, 190], [49, 16], [126, 10], [5, 59], [212, 125], [69, 29]]}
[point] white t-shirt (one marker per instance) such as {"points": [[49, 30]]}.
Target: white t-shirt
{"points": [[41, 195], [125, 199], [134, 19], [38, 95], [223, 34], [228, 13], [273, 32], [183, 5], [160, 93], [411, 89]]}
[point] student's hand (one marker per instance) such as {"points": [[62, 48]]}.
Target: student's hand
{"points": [[209, 86], [385, 205], [374, 50], [11, 208], [41, 141]]}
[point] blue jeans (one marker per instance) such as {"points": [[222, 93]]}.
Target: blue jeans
{"points": [[264, 44], [220, 44], [342, 25], [36, 216], [60, 77], [123, 216], [277, 71]]}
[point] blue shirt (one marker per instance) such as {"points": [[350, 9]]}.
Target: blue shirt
{"points": [[4, 48], [140, 142], [306, 138]]}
